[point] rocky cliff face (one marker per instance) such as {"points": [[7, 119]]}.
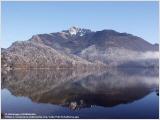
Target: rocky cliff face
{"points": [[81, 48]]}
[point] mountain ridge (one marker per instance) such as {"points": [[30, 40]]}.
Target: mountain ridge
{"points": [[81, 47]]}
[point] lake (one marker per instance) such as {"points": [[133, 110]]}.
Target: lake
{"points": [[114, 93]]}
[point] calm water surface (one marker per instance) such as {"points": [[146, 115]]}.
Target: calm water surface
{"points": [[117, 93]]}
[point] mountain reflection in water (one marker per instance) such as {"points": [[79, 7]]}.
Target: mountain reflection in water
{"points": [[77, 90]]}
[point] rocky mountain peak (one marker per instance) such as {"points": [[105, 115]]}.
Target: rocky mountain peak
{"points": [[73, 31]]}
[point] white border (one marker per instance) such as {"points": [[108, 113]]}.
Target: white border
{"points": [[78, 1]]}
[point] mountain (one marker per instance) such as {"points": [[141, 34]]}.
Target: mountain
{"points": [[81, 48]]}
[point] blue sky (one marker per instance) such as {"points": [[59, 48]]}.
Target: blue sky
{"points": [[21, 20]]}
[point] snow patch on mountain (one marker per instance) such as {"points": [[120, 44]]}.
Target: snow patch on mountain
{"points": [[73, 30]]}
